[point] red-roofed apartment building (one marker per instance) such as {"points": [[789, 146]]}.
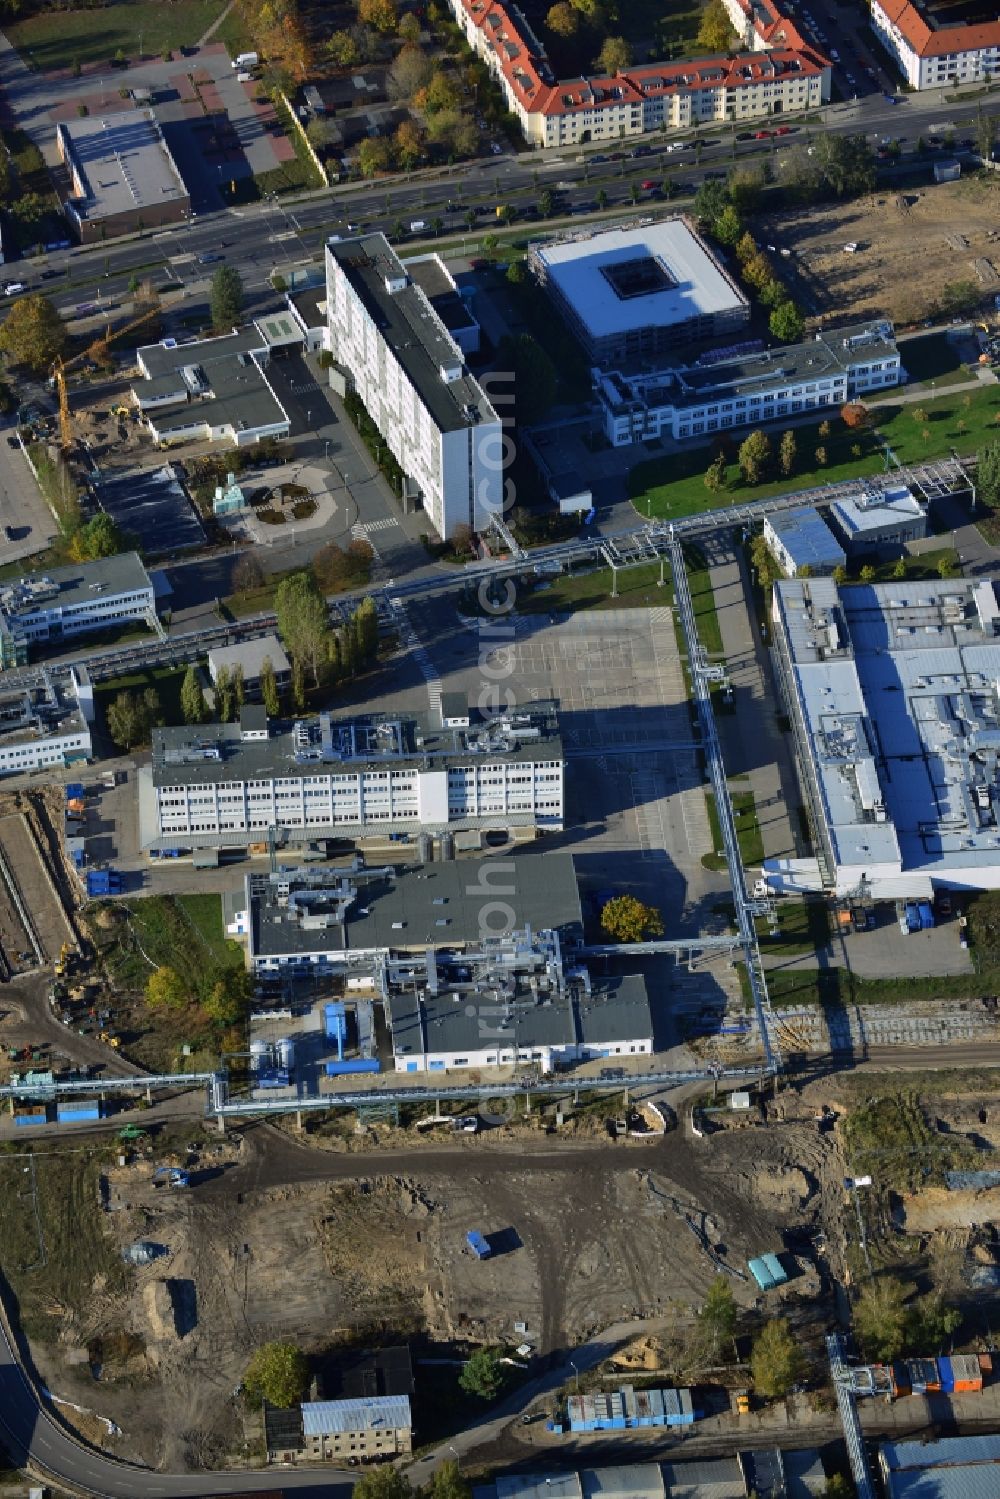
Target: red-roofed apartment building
{"points": [[930, 54], [773, 79]]}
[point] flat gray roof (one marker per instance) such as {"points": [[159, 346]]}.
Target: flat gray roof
{"points": [[695, 284], [250, 654], [124, 161], [222, 371], [437, 905], [413, 331], [77, 583], [179, 757]]}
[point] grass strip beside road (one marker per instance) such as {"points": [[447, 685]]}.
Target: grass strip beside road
{"points": [[748, 834], [673, 486]]}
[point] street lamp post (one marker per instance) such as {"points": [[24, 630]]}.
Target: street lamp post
{"points": [[576, 1374]]}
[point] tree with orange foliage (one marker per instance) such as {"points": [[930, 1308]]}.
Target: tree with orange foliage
{"points": [[854, 415]]}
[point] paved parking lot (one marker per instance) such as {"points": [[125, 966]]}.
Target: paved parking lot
{"points": [[32, 524]]}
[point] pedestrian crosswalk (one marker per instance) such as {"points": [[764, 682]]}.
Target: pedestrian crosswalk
{"points": [[362, 528], [303, 387], [411, 642]]}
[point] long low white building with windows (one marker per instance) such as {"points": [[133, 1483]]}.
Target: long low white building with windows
{"points": [[892, 694], [228, 785], [74, 600], [690, 402], [46, 725], [395, 352]]}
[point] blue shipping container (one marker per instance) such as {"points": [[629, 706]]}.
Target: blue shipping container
{"points": [[353, 1064], [73, 1113], [926, 914], [74, 791], [946, 1375], [478, 1244]]}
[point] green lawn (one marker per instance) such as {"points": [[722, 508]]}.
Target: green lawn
{"points": [[638, 587], [47, 41], [161, 930], [790, 988], [673, 485], [933, 356], [748, 834], [803, 926]]}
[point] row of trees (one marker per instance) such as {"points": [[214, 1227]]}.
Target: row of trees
{"points": [[716, 206], [405, 149], [316, 651]]}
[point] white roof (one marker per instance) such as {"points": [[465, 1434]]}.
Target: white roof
{"points": [[700, 287], [873, 509]]}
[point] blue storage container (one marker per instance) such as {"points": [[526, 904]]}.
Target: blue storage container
{"points": [[946, 1375], [478, 1244], [926, 914], [75, 1113], [74, 791], [353, 1065]]}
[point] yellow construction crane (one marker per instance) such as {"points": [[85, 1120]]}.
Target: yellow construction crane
{"points": [[62, 367]]}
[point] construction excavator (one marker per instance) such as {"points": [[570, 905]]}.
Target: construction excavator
{"points": [[62, 367]]}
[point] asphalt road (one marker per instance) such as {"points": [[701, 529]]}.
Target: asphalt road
{"points": [[279, 236]]}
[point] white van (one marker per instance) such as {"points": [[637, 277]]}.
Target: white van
{"points": [[246, 60], [13, 288], [416, 225]]}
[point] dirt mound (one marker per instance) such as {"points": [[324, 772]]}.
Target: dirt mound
{"points": [[782, 1191], [372, 1245]]}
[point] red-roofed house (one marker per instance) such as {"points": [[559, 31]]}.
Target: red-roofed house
{"points": [[930, 56], [781, 75]]}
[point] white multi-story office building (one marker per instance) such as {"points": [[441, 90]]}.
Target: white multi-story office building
{"points": [[227, 785], [930, 53], [73, 600], [410, 375], [788, 75], [46, 724], [690, 403]]}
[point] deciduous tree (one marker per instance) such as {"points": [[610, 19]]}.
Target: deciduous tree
{"points": [[717, 1315], [33, 334], [787, 451], [269, 689], [880, 1316], [409, 145], [787, 323], [484, 1375], [614, 57], [716, 473], [303, 622], [277, 1373], [448, 1482], [776, 1361], [343, 49], [247, 574], [988, 474], [410, 72], [226, 299], [383, 1483], [192, 697], [625, 918], [562, 20], [854, 415], [165, 989], [715, 30], [754, 456], [728, 227], [380, 15], [223, 695], [374, 156]]}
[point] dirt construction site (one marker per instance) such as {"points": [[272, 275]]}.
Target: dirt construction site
{"points": [[274, 1239], [36, 894], [910, 245]]}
